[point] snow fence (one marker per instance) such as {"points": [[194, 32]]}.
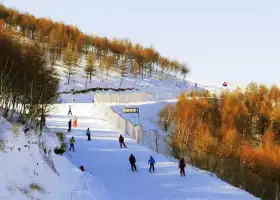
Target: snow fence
{"points": [[150, 138], [124, 97]]}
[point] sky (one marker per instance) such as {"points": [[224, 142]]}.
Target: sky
{"points": [[237, 41]]}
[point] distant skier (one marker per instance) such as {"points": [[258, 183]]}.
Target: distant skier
{"points": [[132, 161], [121, 140], [152, 164], [69, 111], [182, 166], [72, 142], [88, 134], [75, 121], [69, 125], [82, 168], [73, 101]]}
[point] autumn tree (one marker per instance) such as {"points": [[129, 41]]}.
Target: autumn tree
{"points": [[123, 68], [70, 61], [184, 70], [27, 84], [90, 65], [111, 63]]}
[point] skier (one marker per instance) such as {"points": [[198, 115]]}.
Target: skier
{"points": [[82, 168], [70, 112], [75, 121], [152, 164], [132, 161], [73, 101], [72, 142], [182, 166], [69, 125], [121, 140], [88, 134]]}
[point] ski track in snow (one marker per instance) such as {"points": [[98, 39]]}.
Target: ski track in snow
{"points": [[109, 170]]}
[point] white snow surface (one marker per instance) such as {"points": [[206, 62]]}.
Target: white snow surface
{"points": [[21, 166], [103, 158]]}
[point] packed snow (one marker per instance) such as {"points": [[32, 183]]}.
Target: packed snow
{"points": [[26, 171], [103, 158]]}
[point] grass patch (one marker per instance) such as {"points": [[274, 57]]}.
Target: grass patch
{"points": [[60, 136], [35, 187], [60, 150]]}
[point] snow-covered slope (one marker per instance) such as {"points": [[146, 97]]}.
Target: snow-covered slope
{"points": [[26, 173], [103, 158], [166, 88]]}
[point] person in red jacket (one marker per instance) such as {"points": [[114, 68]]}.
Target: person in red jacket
{"points": [[182, 166]]}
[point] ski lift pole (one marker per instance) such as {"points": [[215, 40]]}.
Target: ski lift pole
{"points": [[138, 116]]}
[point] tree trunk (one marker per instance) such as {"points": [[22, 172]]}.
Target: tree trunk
{"points": [[69, 76], [121, 81], [277, 191], [86, 81]]}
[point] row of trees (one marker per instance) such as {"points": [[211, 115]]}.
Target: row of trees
{"points": [[58, 36], [27, 83], [233, 134]]}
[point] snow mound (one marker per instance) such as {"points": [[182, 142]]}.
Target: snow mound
{"points": [[26, 174]]}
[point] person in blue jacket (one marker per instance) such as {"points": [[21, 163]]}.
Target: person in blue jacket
{"points": [[88, 134], [152, 164]]}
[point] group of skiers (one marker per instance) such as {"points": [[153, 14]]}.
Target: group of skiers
{"points": [[75, 120], [72, 140], [151, 162], [132, 159]]}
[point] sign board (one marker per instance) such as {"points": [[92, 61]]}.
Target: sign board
{"points": [[131, 110]]}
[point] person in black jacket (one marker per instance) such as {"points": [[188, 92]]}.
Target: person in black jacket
{"points": [[182, 166], [121, 140], [132, 161], [69, 125]]}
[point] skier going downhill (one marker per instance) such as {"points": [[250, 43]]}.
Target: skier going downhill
{"points": [[69, 125], [152, 164], [69, 111], [132, 161], [73, 101], [88, 134], [182, 166], [72, 142], [121, 140]]}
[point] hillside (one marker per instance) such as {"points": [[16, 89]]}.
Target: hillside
{"points": [[27, 172], [57, 60]]}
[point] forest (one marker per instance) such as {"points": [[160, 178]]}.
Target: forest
{"points": [[30, 47], [27, 83], [234, 135], [68, 43]]}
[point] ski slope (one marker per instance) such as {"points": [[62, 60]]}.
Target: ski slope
{"points": [[103, 158]]}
